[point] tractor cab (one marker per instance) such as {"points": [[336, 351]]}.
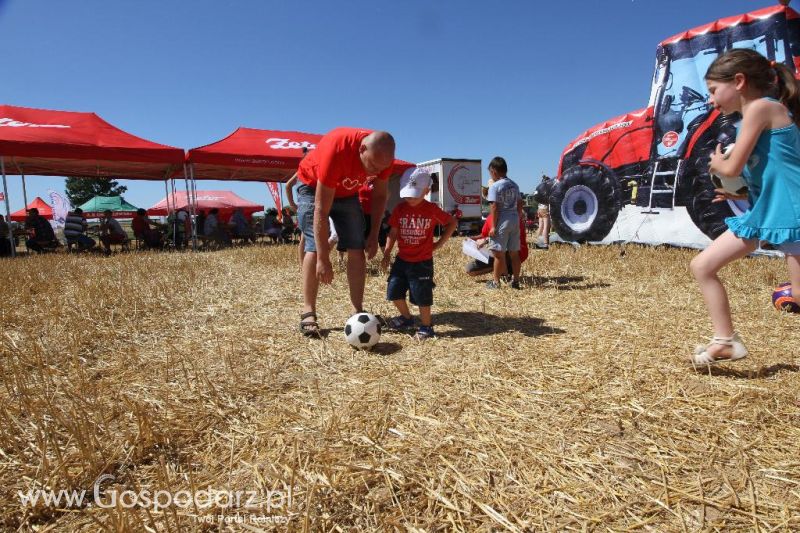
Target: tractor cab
{"points": [[657, 157]]}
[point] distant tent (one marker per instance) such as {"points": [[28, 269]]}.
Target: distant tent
{"points": [[119, 207], [225, 201], [44, 210]]}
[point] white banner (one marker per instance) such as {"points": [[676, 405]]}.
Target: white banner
{"points": [[60, 208]]}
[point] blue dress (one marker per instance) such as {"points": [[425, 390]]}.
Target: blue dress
{"points": [[773, 176]]}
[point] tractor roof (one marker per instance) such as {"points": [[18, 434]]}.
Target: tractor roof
{"points": [[728, 22]]}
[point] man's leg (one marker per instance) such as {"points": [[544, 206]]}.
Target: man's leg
{"points": [[356, 276], [310, 283]]}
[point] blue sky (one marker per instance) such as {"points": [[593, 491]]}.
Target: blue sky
{"points": [[470, 79]]}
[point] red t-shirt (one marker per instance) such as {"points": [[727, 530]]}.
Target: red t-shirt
{"points": [[365, 198], [336, 162], [140, 225], [415, 229], [523, 242]]}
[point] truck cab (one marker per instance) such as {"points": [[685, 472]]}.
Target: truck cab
{"points": [[457, 186]]}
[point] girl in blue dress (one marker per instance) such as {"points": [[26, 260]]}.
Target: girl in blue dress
{"points": [[767, 155]]}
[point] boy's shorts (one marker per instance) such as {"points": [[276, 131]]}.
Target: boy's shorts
{"points": [[506, 236], [348, 220], [414, 278]]}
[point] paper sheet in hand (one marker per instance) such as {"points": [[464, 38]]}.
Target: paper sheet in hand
{"points": [[471, 249]]}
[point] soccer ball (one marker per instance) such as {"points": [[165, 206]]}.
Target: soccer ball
{"points": [[735, 185], [362, 331], [782, 299]]}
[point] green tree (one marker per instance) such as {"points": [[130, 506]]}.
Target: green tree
{"points": [[81, 190]]}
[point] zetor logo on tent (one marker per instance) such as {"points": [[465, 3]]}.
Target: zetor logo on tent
{"points": [[288, 144], [11, 123]]}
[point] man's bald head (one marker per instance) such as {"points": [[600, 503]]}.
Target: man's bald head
{"points": [[377, 152]]}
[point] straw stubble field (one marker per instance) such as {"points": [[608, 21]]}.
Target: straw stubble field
{"points": [[568, 405]]}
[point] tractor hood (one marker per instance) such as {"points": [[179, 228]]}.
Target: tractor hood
{"points": [[620, 140]]}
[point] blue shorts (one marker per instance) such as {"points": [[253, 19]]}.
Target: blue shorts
{"points": [[348, 220], [414, 278], [506, 235]]}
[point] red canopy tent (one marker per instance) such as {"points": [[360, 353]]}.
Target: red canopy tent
{"points": [[66, 143], [44, 210], [250, 154], [226, 201]]}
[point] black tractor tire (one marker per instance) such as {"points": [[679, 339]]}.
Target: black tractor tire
{"points": [[709, 217], [585, 203]]}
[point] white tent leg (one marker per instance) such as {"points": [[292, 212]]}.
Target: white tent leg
{"points": [[194, 202], [24, 191], [8, 208]]}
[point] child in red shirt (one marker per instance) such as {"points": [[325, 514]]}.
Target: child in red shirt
{"points": [[412, 223]]}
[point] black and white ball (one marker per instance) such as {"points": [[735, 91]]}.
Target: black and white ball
{"points": [[362, 331], [736, 185]]}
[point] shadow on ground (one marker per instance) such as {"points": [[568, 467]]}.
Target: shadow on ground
{"points": [[560, 283], [761, 373], [476, 324]]}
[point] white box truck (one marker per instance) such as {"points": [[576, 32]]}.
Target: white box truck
{"points": [[457, 184]]}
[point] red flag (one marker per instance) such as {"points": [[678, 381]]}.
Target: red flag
{"points": [[276, 196], [2, 197]]}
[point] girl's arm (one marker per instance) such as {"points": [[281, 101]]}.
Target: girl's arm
{"points": [[756, 118]]}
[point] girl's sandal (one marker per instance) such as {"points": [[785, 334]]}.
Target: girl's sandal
{"points": [[702, 357], [309, 328]]}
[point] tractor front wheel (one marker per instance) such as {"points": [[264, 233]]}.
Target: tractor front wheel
{"points": [[584, 204]]}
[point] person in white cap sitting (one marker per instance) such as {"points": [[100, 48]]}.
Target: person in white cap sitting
{"points": [[412, 224]]}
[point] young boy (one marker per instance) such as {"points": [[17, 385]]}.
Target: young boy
{"points": [[412, 223], [506, 208]]}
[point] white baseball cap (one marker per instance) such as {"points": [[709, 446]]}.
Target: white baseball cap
{"points": [[413, 183]]}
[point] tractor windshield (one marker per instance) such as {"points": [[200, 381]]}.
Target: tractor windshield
{"points": [[681, 99]]}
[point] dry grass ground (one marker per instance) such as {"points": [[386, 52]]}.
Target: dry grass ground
{"points": [[565, 406]]}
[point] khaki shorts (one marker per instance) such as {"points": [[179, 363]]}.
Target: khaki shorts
{"points": [[543, 210]]}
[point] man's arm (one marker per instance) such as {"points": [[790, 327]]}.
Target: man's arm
{"points": [[493, 213], [380, 190], [323, 201], [289, 190], [387, 251]]}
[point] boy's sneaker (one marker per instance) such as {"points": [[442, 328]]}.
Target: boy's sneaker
{"points": [[425, 332], [542, 246], [400, 323], [515, 285], [492, 285]]}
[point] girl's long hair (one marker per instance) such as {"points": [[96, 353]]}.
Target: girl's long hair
{"points": [[770, 77]]}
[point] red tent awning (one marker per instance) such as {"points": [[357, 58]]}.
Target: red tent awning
{"points": [[44, 210], [225, 201], [66, 143], [250, 154]]}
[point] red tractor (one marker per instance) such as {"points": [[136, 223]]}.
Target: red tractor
{"points": [[657, 157]]}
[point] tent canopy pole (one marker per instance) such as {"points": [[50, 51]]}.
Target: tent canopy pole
{"points": [[8, 207]]}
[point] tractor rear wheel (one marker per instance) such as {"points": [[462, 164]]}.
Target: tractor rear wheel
{"points": [[708, 216]]}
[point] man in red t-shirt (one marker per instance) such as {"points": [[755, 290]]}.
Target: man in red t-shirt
{"points": [[330, 177], [412, 223]]}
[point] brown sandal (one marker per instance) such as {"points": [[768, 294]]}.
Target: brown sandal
{"points": [[310, 328]]}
